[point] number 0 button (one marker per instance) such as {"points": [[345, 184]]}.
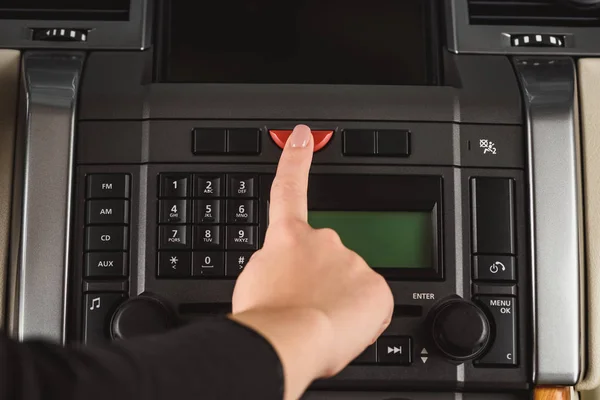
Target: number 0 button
{"points": [[241, 238], [209, 264]]}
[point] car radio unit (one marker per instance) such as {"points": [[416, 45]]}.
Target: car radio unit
{"points": [[446, 155]]}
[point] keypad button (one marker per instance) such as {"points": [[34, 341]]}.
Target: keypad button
{"points": [[359, 142], [503, 351], [209, 141], [174, 237], [208, 238], [208, 264], [242, 186], [97, 312], [243, 141], [208, 211], [105, 265], [241, 211], [494, 268], [236, 262], [395, 350], [107, 212], [173, 211], [174, 185], [393, 142], [208, 186], [241, 238], [108, 186], [106, 238], [174, 264]]}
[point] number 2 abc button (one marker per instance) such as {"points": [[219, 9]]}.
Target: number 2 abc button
{"points": [[241, 237]]}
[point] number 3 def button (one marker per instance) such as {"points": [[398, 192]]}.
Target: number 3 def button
{"points": [[242, 186]]}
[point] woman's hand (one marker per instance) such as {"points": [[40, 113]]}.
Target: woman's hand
{"points": [[317, 302]]}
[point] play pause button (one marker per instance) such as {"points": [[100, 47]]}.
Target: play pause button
{"points": [[394, 350]]}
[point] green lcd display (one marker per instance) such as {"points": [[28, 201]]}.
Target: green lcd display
{"points": [[383, 239]]}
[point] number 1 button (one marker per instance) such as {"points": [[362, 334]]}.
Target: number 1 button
{"points": [[174, 186]]}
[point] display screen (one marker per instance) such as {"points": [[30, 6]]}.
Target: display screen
{"points": [[384, 239], [375, 42]]}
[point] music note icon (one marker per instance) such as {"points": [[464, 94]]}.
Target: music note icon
{"points": [[95, 303]]}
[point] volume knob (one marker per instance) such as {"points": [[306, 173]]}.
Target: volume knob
{"points": [[141, 316], [461, 330]]}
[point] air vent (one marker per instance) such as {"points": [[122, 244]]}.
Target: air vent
{"points": [[67, 10], [531, 13]]}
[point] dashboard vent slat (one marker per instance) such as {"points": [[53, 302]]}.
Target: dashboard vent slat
{"points": [[67, 10], [530, 13]]}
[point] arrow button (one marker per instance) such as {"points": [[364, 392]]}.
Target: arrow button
{"points": [[394, 350]]}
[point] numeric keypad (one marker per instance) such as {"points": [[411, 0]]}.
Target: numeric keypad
{"points": [[205, 219]]}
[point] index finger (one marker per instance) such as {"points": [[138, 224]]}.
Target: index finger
{"points": [[290, 186]]}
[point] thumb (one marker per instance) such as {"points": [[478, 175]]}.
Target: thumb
{"points": [[290, 186]]}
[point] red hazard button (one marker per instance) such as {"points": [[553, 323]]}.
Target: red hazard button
{"points": [[281, 136]]}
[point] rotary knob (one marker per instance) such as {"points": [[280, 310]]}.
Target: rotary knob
{"points": [[460, 329], [141, 316]]}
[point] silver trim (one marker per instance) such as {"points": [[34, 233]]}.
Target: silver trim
{"points": [[463, 37], [44, 175], [549, 91]]}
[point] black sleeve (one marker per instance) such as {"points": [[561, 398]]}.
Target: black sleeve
{"points": [[216, 360]]}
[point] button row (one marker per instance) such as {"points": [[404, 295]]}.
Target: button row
{"points": [[369, 142], [208, 211], [494, 249], [202, 264], [236, 237], [180, 186], [389, 350], [105, 258], [218, 141]]}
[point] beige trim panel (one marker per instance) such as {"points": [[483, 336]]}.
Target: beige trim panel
{"points": [[9, 82], [589, 91]]}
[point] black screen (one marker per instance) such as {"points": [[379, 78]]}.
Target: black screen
{"points": [[379, 42]]}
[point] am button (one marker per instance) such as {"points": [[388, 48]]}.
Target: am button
{"points": [[107, 212]]}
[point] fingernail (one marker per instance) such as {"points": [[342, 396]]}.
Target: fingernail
{"points": [[300, 136]]}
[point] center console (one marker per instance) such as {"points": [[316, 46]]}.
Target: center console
{"points": [[434, 160]]}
